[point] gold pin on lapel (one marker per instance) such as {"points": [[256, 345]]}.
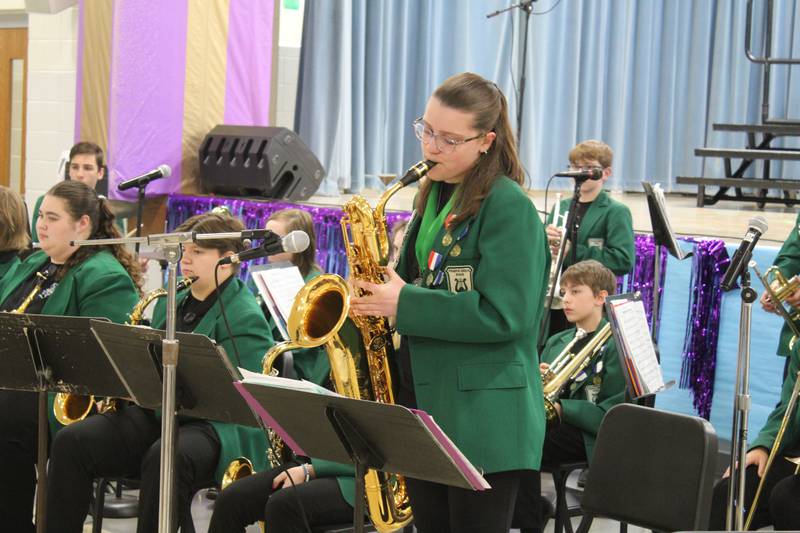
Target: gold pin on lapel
{"points": [[456, 250], [447, 239], [429, 279]]}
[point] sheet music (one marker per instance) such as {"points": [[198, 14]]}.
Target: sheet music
{"points": [[632, 323], [249, 376], [278, 285], [657, 194]]}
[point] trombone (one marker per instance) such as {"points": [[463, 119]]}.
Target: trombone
{"points": [[784, 289]]}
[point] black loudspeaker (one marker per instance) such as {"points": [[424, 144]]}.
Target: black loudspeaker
{"points": [[258, 161]]}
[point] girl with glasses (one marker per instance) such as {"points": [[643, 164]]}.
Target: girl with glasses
{"points": [[467, 297]]}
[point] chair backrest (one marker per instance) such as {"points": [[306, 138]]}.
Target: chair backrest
{"points": [[653, 469]]}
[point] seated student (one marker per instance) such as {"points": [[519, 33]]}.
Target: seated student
{"points": [[780, 497], [14, 235], [581, 407], [85, 165], [62, 280], [605, 226], [127, 443]]}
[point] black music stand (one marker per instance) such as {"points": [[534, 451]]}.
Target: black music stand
{"points": [[368, 434], [664, 237], [44, 354], [204, 373]]}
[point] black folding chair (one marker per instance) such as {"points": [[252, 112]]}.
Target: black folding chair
{"points": [[653, 469]]}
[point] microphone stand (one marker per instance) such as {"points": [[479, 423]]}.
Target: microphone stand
{"points": [[172, 245], [571, 234], [526, 6], [741, 407], [139, 211]]}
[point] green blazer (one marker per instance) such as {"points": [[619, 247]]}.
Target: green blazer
{"points": [[8, 266], [605, 234], [253, 338], [788, 261], [606, 387], [98, 287], [766, 437], [472, 337]]}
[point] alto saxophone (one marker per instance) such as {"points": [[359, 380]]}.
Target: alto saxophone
{"points": [[366, 240], [70, 408], [567, 366]]}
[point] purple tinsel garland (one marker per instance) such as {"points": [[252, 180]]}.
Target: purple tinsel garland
{"points": [[254, 214], [641, 279], [700, 344]]}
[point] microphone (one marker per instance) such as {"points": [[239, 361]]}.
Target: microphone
{"points": [[583, 174], [294, 243], [161, 172], [757, 226]]}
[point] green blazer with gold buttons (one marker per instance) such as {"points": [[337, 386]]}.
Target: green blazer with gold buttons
{"points": [[472, 327]]}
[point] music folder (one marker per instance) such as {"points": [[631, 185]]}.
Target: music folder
{"points": [[635, 346], [408, 442]]}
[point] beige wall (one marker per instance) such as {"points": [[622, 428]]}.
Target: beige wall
{"points": [[52, 61]]}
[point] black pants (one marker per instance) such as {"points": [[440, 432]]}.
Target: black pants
{"points": [[251, 499], [440, 509], [777, 505], [126, 444], [562, 444], [18, 433]]}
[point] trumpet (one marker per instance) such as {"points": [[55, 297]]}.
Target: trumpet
{"points": [[553, 296], [568, 365]]}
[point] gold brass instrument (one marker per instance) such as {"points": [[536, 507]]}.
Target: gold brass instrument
{"points": [[366, 239], [70, 408], [41, 278], [553, 295], [567, 366], [784, 289]]}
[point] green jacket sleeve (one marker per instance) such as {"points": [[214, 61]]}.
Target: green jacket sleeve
{"points": [[323, 468], [618, 251], [107, 294], [766, 437], [508, 282], [788, 258]]}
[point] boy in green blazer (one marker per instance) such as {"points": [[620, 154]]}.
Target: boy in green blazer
{"points": [[605, 226], [127, 443], [780, 497], [85, 165], [582, 405], [788, 262]]}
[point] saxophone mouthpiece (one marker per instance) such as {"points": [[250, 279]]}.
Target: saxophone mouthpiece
{"points": [[417, 172]]}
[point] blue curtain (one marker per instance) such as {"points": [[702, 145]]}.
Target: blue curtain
{"points": [[649, 78]]}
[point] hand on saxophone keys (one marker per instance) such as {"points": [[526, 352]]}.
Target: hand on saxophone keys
{"points": [[379, 299]]}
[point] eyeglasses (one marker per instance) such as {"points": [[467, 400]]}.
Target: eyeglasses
{"points": [[443, 143]]}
